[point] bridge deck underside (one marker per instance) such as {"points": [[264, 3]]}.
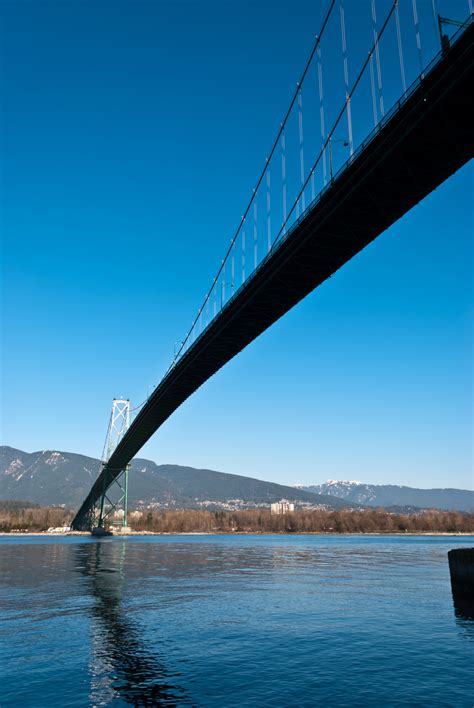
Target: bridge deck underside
{"points": [[426, 141]]}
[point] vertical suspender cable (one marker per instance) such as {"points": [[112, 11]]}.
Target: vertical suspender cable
{"points": [[283, 176], [300, 131], [232, 272], [243, 251], [377, 59], [469, 4], [418, 37], [372, 84], [435, 18], [346, 76], [255, 234], [321, 110], [269, 223], [223, 285], [400, 49]]}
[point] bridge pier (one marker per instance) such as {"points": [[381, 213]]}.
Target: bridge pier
{"points": [[100, 531], [461, 568]]}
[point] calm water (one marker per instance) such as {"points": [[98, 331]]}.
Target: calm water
{"points": [[232, 621]]}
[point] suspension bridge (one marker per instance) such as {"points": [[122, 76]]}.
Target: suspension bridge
{"points": [[341, 170]]}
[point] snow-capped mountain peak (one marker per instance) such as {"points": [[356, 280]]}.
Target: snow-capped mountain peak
{"points": [[387, 495]]}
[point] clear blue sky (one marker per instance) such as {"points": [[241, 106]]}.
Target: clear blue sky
{"points": [[132, 133]]}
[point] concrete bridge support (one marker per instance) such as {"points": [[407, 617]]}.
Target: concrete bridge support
{"points": [[461, 568]]}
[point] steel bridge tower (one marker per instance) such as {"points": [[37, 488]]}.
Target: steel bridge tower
{"points": [[119, 423]]}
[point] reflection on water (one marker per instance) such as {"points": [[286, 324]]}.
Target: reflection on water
{"points": [[463, 607], [464, 614], [119, 661]]}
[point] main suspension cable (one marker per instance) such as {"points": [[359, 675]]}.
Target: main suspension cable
{"points": [[262, 174]]}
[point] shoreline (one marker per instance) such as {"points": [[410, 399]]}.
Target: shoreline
{"points": [[87, 534]]}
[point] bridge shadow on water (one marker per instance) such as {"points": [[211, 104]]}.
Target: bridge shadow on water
{"points": [[121, 667]]}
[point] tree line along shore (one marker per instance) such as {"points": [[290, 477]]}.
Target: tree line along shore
{"points": [[15, 517]]}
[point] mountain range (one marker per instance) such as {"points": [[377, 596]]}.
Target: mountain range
{"points": [[389, 495], [51, 477]]}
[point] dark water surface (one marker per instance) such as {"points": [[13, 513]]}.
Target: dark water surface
{"points": [[232, 621]]}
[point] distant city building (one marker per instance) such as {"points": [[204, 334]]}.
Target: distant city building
{"points": [[118, 514], [282, 507]]}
